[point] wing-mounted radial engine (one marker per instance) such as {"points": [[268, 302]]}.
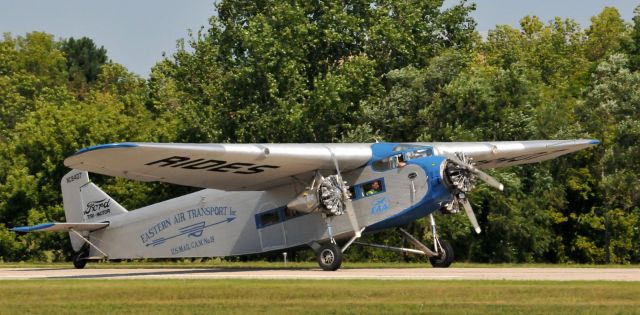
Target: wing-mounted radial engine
{"points": [[327, 195], [460, 176], [330, 196]]}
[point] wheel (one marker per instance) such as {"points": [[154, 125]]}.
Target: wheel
{"points": [[446, 256], [329, 257], [80, 259]]}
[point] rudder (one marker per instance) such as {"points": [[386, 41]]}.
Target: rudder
{"points": [[85, 202]]}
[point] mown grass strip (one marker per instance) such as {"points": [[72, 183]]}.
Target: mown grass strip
{"points": [[216, 263], [317, 297]]}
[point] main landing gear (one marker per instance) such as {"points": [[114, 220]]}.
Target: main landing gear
{"points": [[443, 250], [440, 257], [329, 255], [445, 258]]}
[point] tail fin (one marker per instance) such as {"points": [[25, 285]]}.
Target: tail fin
{"points": [[85, 202]]}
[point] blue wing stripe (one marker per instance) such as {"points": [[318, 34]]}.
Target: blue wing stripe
{"points": [[33, 228], [107, 146]]}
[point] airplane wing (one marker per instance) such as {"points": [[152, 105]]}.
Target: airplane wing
{"points": [[61, 227], [218, 166], [261, 166], [508, 153]]}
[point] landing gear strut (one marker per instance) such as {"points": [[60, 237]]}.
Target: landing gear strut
{"points": [[329, 255], [440, 257], [444, 250]]}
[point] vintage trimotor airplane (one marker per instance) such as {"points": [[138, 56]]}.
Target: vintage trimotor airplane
{"points": [[271, 197]]}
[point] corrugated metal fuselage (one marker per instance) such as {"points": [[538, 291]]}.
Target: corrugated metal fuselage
{"points": [[212, 223]]}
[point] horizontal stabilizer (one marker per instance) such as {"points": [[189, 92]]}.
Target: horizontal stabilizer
{"points": [[61, 227]]}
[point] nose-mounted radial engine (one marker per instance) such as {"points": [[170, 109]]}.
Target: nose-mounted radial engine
{"points": [[460, 176]]}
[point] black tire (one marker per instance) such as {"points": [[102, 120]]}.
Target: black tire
{"points": [[80, 259], [446, 256], [329, 257]]}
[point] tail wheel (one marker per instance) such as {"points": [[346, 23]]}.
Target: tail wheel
{"points": [[329, 257], [80, 259], [446, 256]]}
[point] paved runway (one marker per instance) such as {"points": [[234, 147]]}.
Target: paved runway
{"points": [[555, 274]]}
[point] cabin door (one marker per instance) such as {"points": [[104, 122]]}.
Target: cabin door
{"points": [[271, 229]]}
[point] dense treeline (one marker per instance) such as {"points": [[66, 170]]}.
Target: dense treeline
{"points": [[270, 71]]}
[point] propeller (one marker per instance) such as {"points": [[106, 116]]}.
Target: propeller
{"points": [[346, 198], [462, 177]]}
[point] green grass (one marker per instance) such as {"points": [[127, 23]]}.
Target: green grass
{"points": [[218, 263], [317, 297]]}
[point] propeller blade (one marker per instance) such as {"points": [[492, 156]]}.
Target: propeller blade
{"points": [[470, 214], [488, 179]]}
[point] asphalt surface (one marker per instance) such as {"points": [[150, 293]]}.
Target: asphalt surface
{"points": [[551, 274]]}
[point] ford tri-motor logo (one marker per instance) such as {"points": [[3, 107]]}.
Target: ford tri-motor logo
{"points": [[98, 207]]}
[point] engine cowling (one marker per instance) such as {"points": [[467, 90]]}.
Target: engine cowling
{"points": [[458, 177], [325, 195]]}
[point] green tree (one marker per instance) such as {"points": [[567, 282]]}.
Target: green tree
{"points": [[31, 160], [300, 71], [84, 60], [608, 233], [633, 45], [607, 34], [29, 67], [350, 71]]}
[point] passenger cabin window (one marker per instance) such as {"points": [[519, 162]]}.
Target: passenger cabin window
{"points": [[277, 215], [268, 218]]}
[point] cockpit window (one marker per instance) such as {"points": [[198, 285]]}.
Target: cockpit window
{"points": [[403, 147], [387, 163], [373, 188], [399, 160], [419, 153]]}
